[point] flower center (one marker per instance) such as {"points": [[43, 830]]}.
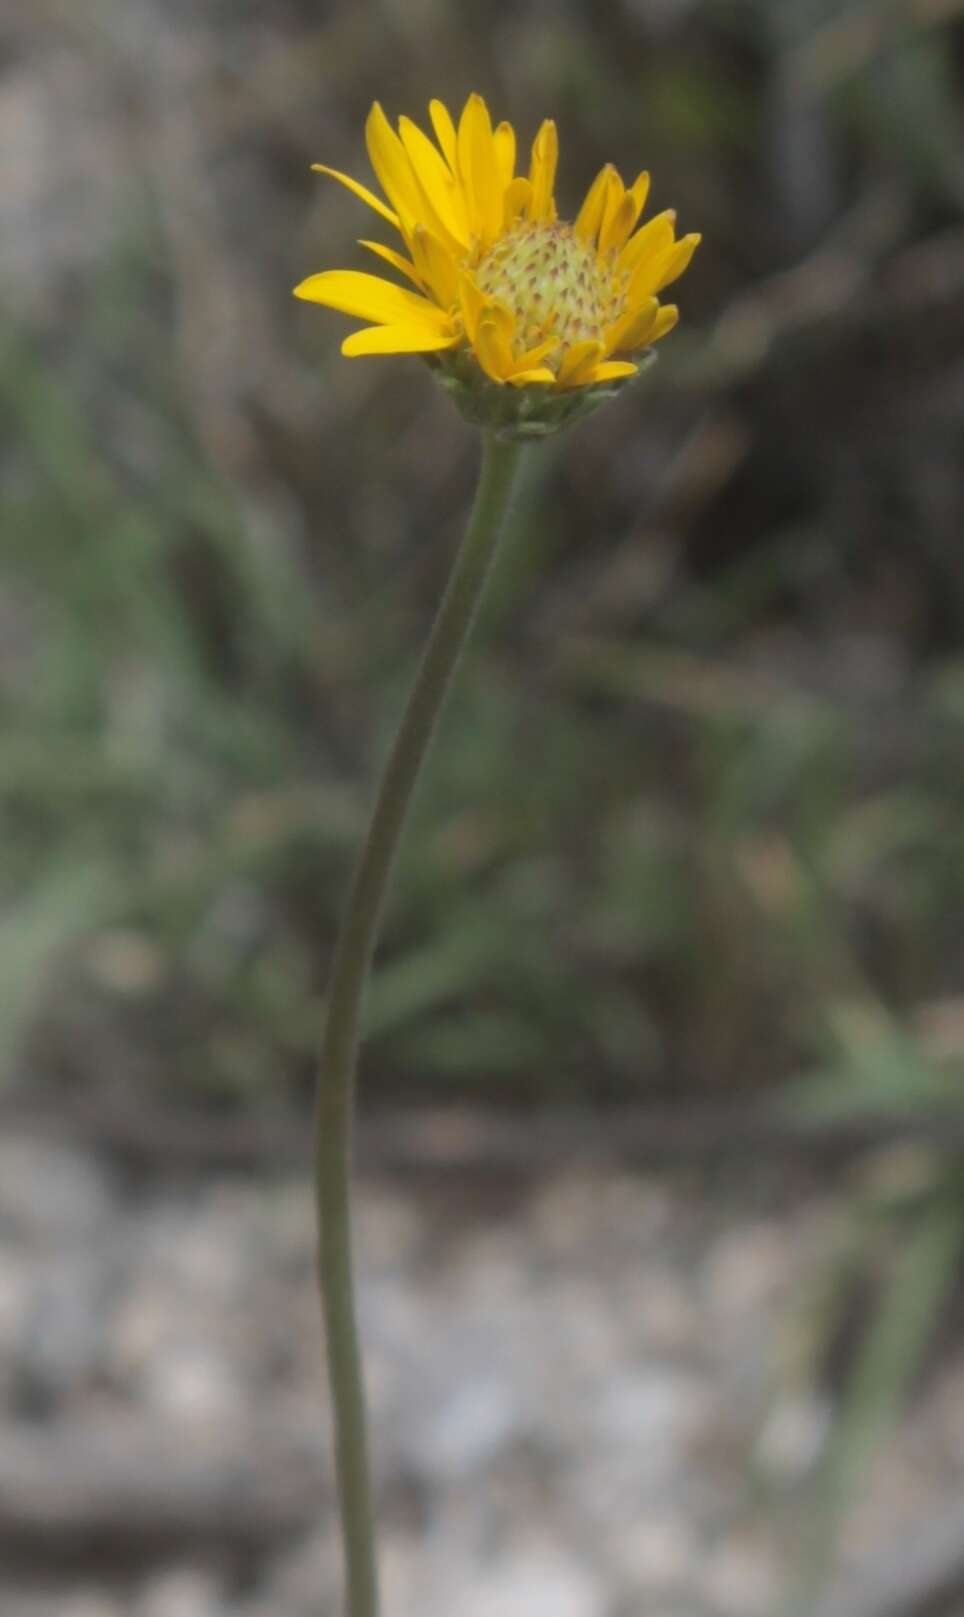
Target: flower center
{"points": [[551, 281]]}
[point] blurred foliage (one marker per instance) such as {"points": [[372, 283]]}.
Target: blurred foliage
{"points": [[882, 1303], [695, 818]]}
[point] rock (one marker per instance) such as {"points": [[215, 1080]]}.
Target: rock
{"points": [[182, 1592], [793, 1436], [654, 1555], [191, 1382], [740, 1580], [51, 1195], [468, 1428], [60, 1343], [535, 1581]]}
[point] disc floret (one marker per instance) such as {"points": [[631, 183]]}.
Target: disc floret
{"points": [[552, 284]]}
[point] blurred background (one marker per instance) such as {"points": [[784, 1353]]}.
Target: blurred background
{"points": [[662, 1201]]}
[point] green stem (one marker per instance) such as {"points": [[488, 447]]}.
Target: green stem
{"points": [[339, 1052]]}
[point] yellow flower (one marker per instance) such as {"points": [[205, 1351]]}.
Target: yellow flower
{"points": [[495, 274]]}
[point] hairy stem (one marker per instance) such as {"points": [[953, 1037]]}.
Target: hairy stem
{"points": [[339, 1051]]}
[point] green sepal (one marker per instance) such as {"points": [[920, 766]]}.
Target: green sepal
{"points": [[522, 413]]}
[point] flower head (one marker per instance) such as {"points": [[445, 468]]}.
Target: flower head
{"points": [[505, 295]]}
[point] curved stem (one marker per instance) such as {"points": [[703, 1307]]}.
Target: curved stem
{"points": [[339, 1052]]}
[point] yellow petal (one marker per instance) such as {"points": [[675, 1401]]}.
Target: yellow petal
{"points": [[504, 322], [441, 192], [623, 221], [494, 340], [436, 267], [445, 133], [492, 351], [472, 304], [658, 271], [390, 161], [504, 137], [391, 257], [652, 238], [516, 201], [613, 202], [590, 215], [665, 321], [360, 191], [617, 224], [541, 373], [677, 261], [579, 361], [608, 370], [371, 298], [479, 169], [532, 356], [639, 191], [542, 171], [395, 340], [633, 329]]}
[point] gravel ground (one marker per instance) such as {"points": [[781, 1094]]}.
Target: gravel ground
{"points": [[589, 1395]]}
